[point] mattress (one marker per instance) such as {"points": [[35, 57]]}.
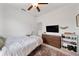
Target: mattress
{"points": [[20, 46]]}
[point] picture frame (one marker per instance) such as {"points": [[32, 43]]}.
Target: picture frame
{"points": [[77, 20]]}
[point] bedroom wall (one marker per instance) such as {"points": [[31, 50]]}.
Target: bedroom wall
{"points": [[16, 22], [64, 16], [1, 17]]}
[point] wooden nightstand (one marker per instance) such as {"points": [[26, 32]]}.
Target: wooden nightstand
{"points": [[52, 40]]}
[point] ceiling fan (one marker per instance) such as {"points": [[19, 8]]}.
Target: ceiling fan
{"points": [[36, 5]]}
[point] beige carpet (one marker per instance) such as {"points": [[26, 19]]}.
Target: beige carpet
{"points": [[47, 50], [40, 51]]}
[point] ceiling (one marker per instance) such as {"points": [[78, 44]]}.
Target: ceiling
{"points": [[43, 8]]}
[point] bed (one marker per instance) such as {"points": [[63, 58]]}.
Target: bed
{"points": [[20, 46]]}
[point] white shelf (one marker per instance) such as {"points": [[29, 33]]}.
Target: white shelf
{"points": [[65, 44], [70, 40]]}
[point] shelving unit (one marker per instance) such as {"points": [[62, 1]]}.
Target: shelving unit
{"points": [[69, 42]]}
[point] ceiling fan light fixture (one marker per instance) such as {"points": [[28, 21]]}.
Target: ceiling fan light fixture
{"points": [[35, 4]]}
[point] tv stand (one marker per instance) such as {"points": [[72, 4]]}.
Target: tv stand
{"points": [[53, 40]]}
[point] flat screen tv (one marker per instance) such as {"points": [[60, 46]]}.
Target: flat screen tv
{"points": [[52, 28]]}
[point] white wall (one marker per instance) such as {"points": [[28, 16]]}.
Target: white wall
{"points": [[1, 17], [65, 16], [16, 22]]}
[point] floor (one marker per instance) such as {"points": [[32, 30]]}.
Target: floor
{"points": [[46, 50], [40, 51]]}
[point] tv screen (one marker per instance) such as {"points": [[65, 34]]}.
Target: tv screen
{"points": [[52, 28]]}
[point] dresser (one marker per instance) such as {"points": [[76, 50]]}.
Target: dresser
{"points": [[52, 40]]}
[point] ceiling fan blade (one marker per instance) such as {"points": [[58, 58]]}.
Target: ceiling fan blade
{"points": [[42, 3], [38, 9], [30, 7], [23, 9]]}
